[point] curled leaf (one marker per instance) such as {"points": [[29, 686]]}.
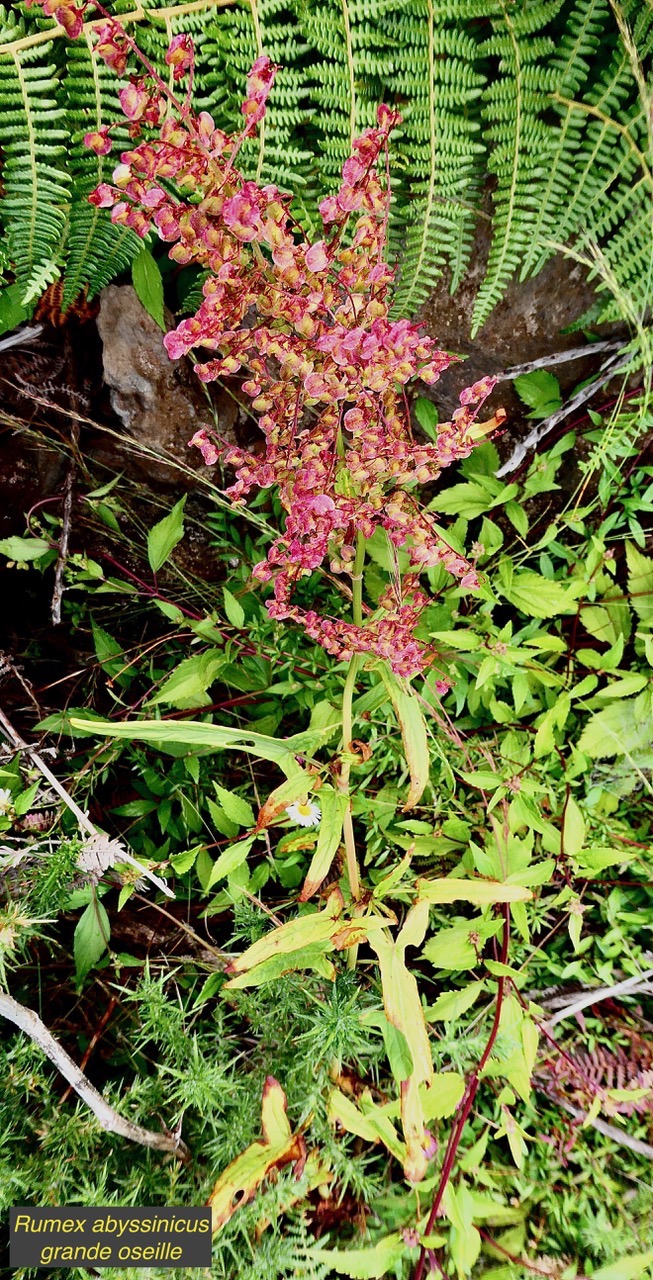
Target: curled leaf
{"points": [[334, 807], [240, 1180], [413, 734]]}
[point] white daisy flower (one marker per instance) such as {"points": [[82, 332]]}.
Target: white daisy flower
{"points": [[6, 801], [305, 813]]}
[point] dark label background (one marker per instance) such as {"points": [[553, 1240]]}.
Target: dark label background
{"points": [[25, 1246]]}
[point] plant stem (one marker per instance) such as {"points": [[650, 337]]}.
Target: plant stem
{"points": [[467, 1102], [347, 727]]}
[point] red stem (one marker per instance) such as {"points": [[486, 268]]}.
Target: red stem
{"points": [[468, 1100]]}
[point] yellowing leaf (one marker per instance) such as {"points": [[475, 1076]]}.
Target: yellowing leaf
{"points": [[367, 1121], [442, 1099], [312, 957], [631, 1268], [403, 1009], [413, 734], [241, 1179], [292, 936], [364, 1264], [294, 788], [334, 807], [480, 892]]}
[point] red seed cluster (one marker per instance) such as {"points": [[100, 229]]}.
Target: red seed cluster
{"points": [[308, 325]]}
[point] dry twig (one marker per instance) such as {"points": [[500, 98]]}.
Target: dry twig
{"points": [[109, 1120]]}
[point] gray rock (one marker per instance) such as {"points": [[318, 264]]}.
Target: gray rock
{"points": [[161, 403]]}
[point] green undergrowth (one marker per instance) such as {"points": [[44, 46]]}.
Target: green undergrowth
{"points": [[541, 759]]}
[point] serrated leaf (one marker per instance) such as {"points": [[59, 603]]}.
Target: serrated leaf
{"points": [[182, 862], [237, 810], [22, 550], [444, 1096], [538, 597], [458, 947], [187, 685], [364, 1264], [451, 1005], [147, 282], [539, 390], [164, 536], [640, 582], [622, 728], [91, 938]]}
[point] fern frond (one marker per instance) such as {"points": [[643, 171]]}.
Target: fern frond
{"points": [[519, 142], [97, 251], [32, 137], [436, 81]]}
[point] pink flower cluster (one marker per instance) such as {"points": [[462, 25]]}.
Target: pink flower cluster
{"points": [[308, 327]]}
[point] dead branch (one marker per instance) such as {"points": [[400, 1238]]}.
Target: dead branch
{"points": [[83, 820], [559, 357], [109, 1120], [632, 986], [608, 369], [608, 1130]]}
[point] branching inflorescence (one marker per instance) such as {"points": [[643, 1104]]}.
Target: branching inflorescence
{"points": [[308, 326]]}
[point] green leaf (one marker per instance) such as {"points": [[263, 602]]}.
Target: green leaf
{"points": [[91, 938], [229, 860], [334, 806], [164, 536], [24, 549], [195, 733], [413, 733], [146, 279], [631, 1268], [12, 309], [640, 582], [187, 685], [468, 500], [451, 1005], [236, 809], [622, 728], [444, 1095], [427, 416], [233, 609], [538, 597], [182, 862], [25, 800], [364, 1264], [573, 830], [517, 517], [458, 947], [540, 391]]}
